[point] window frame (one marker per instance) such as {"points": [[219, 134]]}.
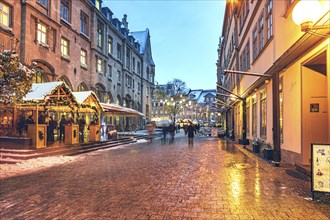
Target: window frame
{"points": [[84, 19], [83, 58], [119, 52], [65, 48], [263, 114], [8, 15], [42, 35], [254, 117], [110, 45], [65, 10], [44, 3], [99, 65], [269, 19], [100, 31]]}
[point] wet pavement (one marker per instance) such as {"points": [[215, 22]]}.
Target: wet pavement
{"points": [[211, 180]]}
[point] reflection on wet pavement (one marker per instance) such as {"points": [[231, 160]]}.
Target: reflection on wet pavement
{"points": [[212, 179]]}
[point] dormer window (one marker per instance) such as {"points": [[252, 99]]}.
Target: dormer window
{"points": [[65, 10]]}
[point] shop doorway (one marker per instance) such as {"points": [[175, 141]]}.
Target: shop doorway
{"points": [[315, 101]]}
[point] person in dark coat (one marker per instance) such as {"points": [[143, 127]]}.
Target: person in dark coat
{"points": [[171, 130], [28, 121], [63, 122], [190, 132], [21, 124], [51, 126], [164, 130], [82, 124]]}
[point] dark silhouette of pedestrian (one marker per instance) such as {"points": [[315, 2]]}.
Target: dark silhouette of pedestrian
{"points": [[21, 124], [190, 132], [63, 122], [28, 121], [171, 130], [164, 131], [51, 127], [82, 124]]}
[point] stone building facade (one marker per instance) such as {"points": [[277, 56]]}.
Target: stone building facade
{"points": [[291, 77], [81, 43]]}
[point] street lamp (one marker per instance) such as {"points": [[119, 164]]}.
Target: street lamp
{"points": [[306, 14]]}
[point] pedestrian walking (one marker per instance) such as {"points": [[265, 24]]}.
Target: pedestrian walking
{"points": [[63, 122], [164, 131], [21, 124], [171, 130], [151, 130], [190, 132], [52, 125]]}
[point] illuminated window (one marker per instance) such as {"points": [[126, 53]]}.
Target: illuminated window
{"points": [[5, 12], [98, 4], [110, 46], [281, 107], [83, 57], [65, 10], [254, 115], [42, 33], [99, 66], [263, 114], [64, 48]]}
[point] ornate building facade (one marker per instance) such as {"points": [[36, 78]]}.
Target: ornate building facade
{"points": [[79, 42], [283, 73]]}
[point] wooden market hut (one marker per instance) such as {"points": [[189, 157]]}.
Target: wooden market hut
{"points": [[90, 106], [49, 97]]}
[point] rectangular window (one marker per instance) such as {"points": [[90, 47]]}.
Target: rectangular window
{"points": [[83, 58], [83, 23], [281, 107], [118, 76], [110, 46], [99, 66], [118, 51], [65, 10], [255, 42], [254, 116], [98, 4], [128, 58], [5, 15], [42, 33], [269, 19], [64, 48], [133, 64], [43, 2], [99, 34], [110, 71], [139, 86], [133, 85], [247, 48], [261, 32], [263, 115], [138, 67], [248, 117]]}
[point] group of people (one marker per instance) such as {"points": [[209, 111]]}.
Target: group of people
{"points": [[189, 129], [52, 125]]}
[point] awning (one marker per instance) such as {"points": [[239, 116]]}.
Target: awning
{"points": [[113, 109]]}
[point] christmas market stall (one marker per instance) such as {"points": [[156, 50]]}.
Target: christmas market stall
{"points": [[89, 110], [42, 108], [118, 118]]}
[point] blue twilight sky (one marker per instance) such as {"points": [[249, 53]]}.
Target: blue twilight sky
{"points": [[184, 36]]}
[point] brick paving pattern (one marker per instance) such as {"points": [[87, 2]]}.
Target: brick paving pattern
{"points": [[211, 180]]}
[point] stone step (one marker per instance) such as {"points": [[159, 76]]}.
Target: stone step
{"points": [[10, 156]]}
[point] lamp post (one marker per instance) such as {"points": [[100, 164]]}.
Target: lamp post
{"points": [[307, 14]]}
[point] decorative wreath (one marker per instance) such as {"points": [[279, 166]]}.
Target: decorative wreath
{"points": [[41, 135]]}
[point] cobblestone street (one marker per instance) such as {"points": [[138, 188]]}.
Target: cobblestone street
{"points": [[211, 180]]}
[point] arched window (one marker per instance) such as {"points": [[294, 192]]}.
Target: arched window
{"points": [[100, 91], [118, 101], [108, 98], [66, 81], [82, 87]]}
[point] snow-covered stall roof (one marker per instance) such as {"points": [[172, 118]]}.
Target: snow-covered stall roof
{"points": [[88, 99], [39, 91]]}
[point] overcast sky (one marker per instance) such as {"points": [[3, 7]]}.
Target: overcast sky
{"points": [[184, 36]]}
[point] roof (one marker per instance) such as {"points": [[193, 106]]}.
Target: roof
{"points": [[141, 37], [40, 90], [205, 93], [88, 98], [119, 110]]}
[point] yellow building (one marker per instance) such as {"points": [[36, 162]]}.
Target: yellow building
{"points": [[280, 70]]}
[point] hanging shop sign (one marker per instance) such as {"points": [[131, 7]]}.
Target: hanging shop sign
{"points": [[320, 168]]}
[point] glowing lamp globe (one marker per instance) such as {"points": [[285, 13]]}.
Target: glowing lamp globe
{"points": [[306, 12]]}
